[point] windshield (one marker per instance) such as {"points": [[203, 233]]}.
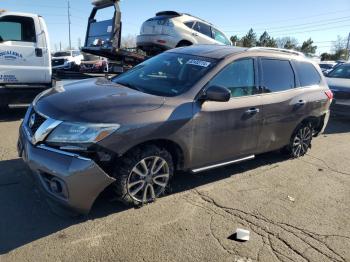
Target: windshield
{"points": [[342, 71], [58, 54], [168, 74]]}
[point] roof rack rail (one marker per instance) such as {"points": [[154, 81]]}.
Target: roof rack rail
{"points": [[281, 50], [201, 19]]}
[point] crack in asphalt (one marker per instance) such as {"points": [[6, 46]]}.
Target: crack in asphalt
{"points": [[217, 239], [275, 251], [325, 163], [304, 232], [303, 236]]}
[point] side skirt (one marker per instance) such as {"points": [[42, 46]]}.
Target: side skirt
{"points": [[223, 164]]}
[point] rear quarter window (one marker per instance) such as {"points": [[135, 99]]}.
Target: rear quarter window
{"points": [[189, 24], [307, 73], [278, 75]]}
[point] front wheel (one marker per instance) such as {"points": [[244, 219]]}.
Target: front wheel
{"points": [[143, 175], [300, 141]]}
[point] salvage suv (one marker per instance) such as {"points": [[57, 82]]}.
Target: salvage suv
{"points": [[191, 109], [170, 29]]}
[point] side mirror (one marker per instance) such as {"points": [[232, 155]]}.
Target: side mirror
{"points": [[217, 93]]}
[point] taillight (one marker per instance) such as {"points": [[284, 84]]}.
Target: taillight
{"points": [[329, 94]]}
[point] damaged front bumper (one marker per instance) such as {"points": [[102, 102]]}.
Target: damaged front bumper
{"points": [[69, 179]]}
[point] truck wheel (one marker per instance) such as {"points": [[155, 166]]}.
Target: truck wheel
{"points": [[300, 141], [143, 175]]}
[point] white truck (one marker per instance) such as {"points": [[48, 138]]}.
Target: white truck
{"points": [[25, 59]]}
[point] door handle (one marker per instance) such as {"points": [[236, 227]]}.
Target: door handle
{"points": [[195, 34], [38, 52], [253, 111]]}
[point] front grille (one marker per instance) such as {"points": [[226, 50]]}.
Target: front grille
{"points": [[57, 62], [35, 121]]}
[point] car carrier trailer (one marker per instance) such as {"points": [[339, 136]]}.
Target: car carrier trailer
{"points": [[103, 38]]}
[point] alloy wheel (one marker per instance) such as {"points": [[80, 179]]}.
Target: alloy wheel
{"points": [[301, 141], [148, 179]]}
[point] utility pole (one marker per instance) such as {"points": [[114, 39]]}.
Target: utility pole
{"points": [[69, 23], [348, 47]]}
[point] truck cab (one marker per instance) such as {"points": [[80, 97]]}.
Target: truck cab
{"points": [[25, 59]]}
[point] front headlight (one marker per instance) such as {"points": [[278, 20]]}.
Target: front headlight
{"points": [[81, 132]]}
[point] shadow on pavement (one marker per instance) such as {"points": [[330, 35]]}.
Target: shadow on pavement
{"points": [[26, 216], [13, 114], [338, 125]]}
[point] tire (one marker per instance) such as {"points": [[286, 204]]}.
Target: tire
{"points": [[143, 175], [300, 141]]}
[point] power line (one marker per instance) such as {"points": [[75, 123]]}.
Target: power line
{"points": [[321, 29], [298, 19], [304, 25], [44, 6], [307, 31]]}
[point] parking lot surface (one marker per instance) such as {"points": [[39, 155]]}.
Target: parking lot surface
{"points": [[296, 210]]}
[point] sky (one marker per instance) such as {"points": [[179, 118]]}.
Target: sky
{"points": [[321, 20]]}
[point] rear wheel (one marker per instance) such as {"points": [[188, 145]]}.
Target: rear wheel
{"points": [[300, 141], [143, 175]]}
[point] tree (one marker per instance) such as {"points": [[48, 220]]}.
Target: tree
{"points": [[272, 43], [128, 41], [290, 45], [266, 40], [287, 42], [235, 40], [339, 51], [340, 48], [339, 44], [307, 47], [249, 40]]}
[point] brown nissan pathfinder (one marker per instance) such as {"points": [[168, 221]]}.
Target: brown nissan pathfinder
{"points": [[190, 109]]}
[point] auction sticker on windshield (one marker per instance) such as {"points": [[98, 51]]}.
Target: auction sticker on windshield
{"points": [[198, 63]]}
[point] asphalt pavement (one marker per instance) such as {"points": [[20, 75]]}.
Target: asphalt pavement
{"points": [[295, 210]]}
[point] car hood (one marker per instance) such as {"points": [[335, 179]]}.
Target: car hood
{"points": [[340, 87], [96, 100]]}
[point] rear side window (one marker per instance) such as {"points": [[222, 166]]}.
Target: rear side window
{"points": [[307, 73], [220, 37], [189, 24], [15, 28], [277, 75], [237, 77], [203, 28]]}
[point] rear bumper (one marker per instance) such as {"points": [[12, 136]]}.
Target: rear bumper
{"points": [[151, 42], [325, 122], [68, 179]]}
